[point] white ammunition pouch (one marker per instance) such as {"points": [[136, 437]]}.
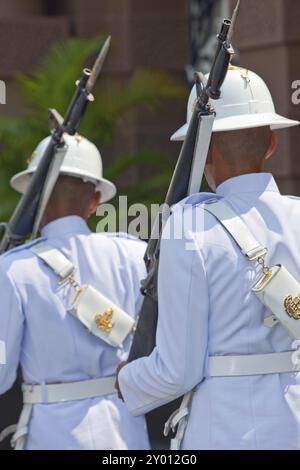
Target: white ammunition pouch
{"points": [[278, 290], [102, 317]]}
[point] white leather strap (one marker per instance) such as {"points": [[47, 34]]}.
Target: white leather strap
{"points": [[236, 227], [179, 420], [204, 133], [33, 394], [49, 184], [54, 259], [53, 393], [19, 438], [8, 431], [253, 364]]}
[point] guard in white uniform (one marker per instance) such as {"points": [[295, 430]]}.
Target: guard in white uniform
{"points": [[69, 396], [214, 335]]}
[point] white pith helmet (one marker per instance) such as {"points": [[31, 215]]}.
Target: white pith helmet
{"points": [[82, 160], [245, 103]]}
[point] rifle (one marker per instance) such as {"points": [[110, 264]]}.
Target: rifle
{"points": [[26, 217], [186, 180]]}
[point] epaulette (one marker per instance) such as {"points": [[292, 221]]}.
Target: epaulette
{"points": [[24, 246], [125, 235], [194, 200]]}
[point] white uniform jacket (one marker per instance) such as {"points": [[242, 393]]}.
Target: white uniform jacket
{"points": [[54, 347], [206, 308]]}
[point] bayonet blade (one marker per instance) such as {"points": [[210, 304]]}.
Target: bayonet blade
{"points": [[233, 20], [98, 65]]}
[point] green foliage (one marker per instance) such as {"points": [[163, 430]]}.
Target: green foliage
{"points": [[51, 85]]}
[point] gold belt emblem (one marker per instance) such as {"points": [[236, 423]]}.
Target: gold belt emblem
{"points": [[292, 306], [103, 321]]}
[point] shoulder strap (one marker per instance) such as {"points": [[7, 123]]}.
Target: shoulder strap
{"points": [[54, 259], [236, 227]]}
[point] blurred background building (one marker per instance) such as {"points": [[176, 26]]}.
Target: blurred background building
{"points": [[172, 35]]}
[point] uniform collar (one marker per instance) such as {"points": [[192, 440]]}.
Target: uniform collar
{"points": [[65, 225], [250, 183]]}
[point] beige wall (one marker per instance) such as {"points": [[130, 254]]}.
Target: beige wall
{"points": [[145, 33], [155, 33], [268, 41]]}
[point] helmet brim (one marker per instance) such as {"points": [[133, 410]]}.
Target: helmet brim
{"points": [[20, 182], [245, 121]]}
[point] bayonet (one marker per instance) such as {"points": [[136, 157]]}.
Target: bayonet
{"points": [[98, 65], [233, 21], [25, 220]]}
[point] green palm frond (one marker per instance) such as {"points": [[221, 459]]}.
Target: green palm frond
{"points": [[143, 157], [52, 84]]}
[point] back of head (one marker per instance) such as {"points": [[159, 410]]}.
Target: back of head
{"points": [[71, 196], [243, 149]]}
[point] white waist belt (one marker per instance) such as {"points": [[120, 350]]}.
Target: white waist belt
{"points": [[233, 366], [54, 393], [51, 393], [256, 364]]}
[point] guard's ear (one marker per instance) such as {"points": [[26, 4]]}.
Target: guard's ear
{"points": [[210, 153], [94, 203], [272, 146], [208, 160]]}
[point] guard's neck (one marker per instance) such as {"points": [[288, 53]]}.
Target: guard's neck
{"points": [[50, 216], [224, 176]]}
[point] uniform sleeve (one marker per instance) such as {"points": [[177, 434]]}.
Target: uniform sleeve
{"points": [[136, 251], [177, 363], [11, 331]]}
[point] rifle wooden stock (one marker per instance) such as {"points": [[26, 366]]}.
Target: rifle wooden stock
{"points": [[144, 338]]}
